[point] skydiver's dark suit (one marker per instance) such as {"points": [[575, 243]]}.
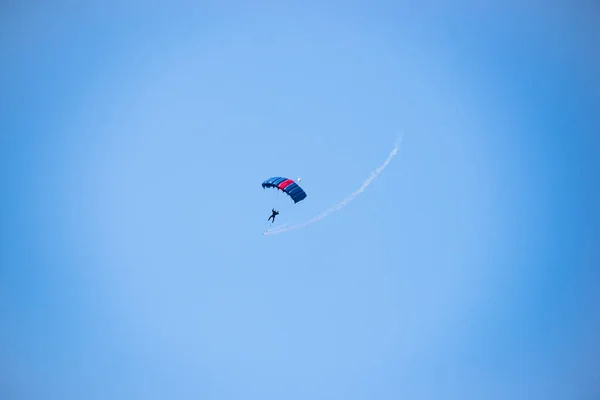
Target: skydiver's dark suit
{"points": [[273, 215]]}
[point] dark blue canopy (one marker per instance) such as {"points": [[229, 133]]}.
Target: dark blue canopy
{"points": [[286, 185]]}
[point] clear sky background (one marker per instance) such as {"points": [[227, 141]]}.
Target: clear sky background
{"points": [[133, 142]]}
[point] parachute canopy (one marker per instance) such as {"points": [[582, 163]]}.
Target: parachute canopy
{"points": [[286, 185]]}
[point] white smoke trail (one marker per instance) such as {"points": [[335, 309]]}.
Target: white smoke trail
{"points": [[347, 200]]}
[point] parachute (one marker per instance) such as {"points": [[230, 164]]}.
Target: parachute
{"points": [[288, 186]]}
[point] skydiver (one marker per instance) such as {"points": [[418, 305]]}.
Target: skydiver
{"points": [[273, 215]]}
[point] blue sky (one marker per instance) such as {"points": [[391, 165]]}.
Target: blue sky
{"points": [[134, 141]]}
